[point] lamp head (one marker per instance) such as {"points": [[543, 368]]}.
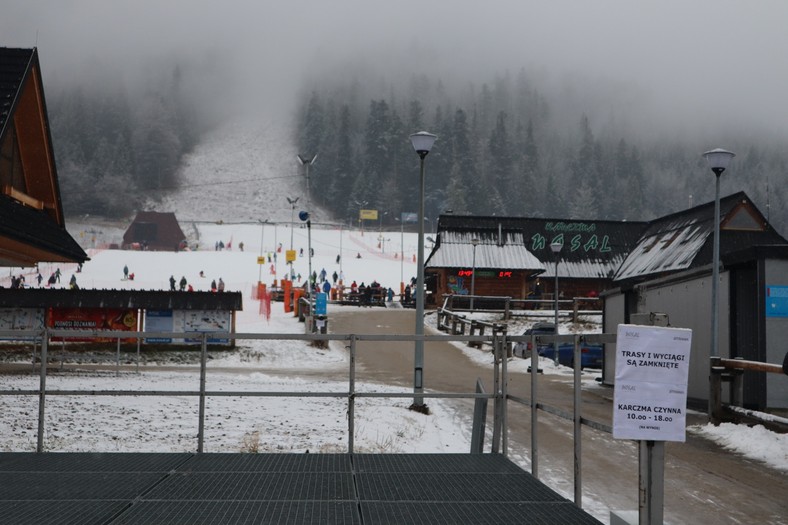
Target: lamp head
{"points": [[422, 142], [305, 160], [718, 160], [556, 246], [475, 241]]}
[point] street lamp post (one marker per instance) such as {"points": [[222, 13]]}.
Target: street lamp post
{"points": [[555, 247], [304, 216], [306, 162], [718, 160], [276, 246], [422, 143], [292, 203], [475, 243], [260, 263], [401, 252], [341, 225]]}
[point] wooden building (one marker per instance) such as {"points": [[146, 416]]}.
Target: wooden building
{"points": [[513, 256], [155, 231], [669, 272], [32, 225]]}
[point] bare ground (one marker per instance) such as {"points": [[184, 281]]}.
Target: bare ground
{"points": [[703, 483]]}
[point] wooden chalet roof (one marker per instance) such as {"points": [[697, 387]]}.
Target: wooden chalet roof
{"points": [[157, 230], [144, 299], [592, 249], [508, 251], [685, 240], [32, 227]]}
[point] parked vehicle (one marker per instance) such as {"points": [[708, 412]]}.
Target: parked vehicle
{"points": [[523, 349], [590, 354]]}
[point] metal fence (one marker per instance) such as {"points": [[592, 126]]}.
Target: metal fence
{"points": [[42, 342]]}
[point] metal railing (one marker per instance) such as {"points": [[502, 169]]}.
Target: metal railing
{"points": [[499, 341], [42, 340]]}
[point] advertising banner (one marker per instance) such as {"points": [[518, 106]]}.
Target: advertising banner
{"points": [[158, 321], [187, 322], [321, 302], [21, 319], [652, 370], [93, 319]]}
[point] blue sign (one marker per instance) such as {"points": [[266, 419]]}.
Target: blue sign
{"points": [[321, 300], [158, 321], [777, 301]]}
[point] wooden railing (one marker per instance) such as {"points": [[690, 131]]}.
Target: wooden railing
{"points": [[732, 371], [508, 306]]}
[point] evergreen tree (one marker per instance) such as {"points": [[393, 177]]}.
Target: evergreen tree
{"points": [[583, 204], [584, 164], [465, 176], [635, 188], [522, 187], [157, 145], [343, 170], [312, 128], [377, 153], [503, 196]]}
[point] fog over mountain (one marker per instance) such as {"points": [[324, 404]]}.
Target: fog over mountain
{"points": [[670, 66], [142, 95]]}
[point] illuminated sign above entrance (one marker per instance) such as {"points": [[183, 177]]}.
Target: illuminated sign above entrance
{"points": [[501, 274]]}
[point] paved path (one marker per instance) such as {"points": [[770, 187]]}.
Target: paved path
{"points": [[704, 484]]}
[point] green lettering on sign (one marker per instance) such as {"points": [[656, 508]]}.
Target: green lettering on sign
{"points": [[591, 243]]}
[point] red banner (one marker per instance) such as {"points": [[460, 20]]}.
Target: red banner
{"points": [[93, 319]]}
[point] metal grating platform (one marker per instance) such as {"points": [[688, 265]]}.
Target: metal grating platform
{"points": [[363, 489]]}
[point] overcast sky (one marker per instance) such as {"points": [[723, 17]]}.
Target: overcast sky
{"points": [[680, 60]]}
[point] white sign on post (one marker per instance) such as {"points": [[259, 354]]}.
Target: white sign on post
{"points": [[650, 397]]}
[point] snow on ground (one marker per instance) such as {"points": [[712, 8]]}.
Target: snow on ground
{"points": [[754, 442], [233, 423]]}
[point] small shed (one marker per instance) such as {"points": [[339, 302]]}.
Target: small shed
{"points": [[157, 231]]}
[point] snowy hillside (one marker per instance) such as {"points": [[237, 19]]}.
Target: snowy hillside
{"points": [[243, 171]]}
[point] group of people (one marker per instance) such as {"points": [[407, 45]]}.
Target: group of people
{"points": [[185, 286], [54, 278], [368, 295]]}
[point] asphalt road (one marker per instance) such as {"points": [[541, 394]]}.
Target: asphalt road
{"points": [[703, 483]]}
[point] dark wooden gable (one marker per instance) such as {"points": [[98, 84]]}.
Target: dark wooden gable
{"points": [[154, 231], [684, 240], [32, 226]]}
